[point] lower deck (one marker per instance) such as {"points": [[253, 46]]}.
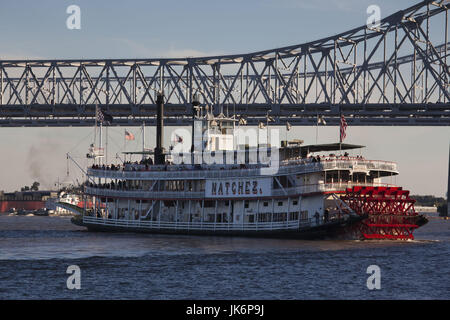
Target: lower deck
{"points": [[290, 230], [219, 214]]}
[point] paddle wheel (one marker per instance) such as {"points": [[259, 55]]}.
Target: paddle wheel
{"points": [[389, 210]]}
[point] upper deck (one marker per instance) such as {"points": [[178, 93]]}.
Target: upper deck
{"points": [[137, 171]]}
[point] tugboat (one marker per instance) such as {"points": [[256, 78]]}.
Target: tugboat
{"points": [[221, 184]]}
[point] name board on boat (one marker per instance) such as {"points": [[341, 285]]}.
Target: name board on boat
{"points": [[233, 188]]}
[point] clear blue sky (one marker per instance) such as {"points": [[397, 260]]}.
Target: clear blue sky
{"points": [[129, 29], [124, 29]]}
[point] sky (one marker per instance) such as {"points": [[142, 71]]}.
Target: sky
{"points": [[152, 29]]}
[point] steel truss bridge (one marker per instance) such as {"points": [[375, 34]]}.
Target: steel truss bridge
{"points": [[394, 73]]}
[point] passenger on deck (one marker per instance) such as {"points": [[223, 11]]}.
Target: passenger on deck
{"points": [[317, 216], [326, 215]]}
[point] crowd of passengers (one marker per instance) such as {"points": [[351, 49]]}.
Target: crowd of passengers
{"points": [[120, 185], [147, 164], [168, 166], [332, 156], [103, 167]]}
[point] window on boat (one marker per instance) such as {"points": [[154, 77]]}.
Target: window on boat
{"points": [[209, 204]]}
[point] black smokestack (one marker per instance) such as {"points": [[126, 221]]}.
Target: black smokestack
{"points": [[159, 152]]}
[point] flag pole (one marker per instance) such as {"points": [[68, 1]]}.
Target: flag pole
{"points": [[143, 140], [101, 142], [340, 141], [288, 128], [317, 127], [106, 146], [342, 128], [317, 133], [95, 129], [340, 133]]}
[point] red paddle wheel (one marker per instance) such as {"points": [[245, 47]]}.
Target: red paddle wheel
{"points": [[389, 210]]}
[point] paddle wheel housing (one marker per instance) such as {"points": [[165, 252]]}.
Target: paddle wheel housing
{"points": [[389, 210]]}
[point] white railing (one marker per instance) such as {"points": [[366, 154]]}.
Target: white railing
{"points": [[310, 188], [199, 174], [324, 187], [359, 164], [289, 167], [210, 226], [143, 194]]}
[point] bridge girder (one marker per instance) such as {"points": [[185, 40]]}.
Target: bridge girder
{"points": [[394, 74]]}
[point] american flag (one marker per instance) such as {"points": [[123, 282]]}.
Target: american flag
{"points": [[242, 121], [321, 120], [99, 115], [288, 126], [128, 135], [178, 139], [102, 116], [343, 127]]}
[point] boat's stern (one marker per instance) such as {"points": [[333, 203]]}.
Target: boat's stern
{"points": [[390, 212]]}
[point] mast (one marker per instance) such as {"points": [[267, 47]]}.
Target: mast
{"points": [[106, 146], [340, 129], [101, 143], [95, 131], [143, 140], [317, 126]]}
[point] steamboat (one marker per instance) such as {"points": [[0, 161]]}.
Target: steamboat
{"points": [[223, 185]]}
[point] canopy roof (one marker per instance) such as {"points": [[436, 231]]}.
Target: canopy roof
{"points": [[139, 152], [328, 147], [304, 149]]}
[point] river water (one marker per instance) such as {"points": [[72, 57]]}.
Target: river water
{"points": [[35, 253]]}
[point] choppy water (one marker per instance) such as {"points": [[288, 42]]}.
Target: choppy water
{"points": [[36, 251]]}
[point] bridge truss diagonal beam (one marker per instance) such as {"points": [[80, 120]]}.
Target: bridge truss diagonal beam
{"points": [[393, 74]]}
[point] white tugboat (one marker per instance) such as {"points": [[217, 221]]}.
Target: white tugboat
{"points": [[221, 187]]}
